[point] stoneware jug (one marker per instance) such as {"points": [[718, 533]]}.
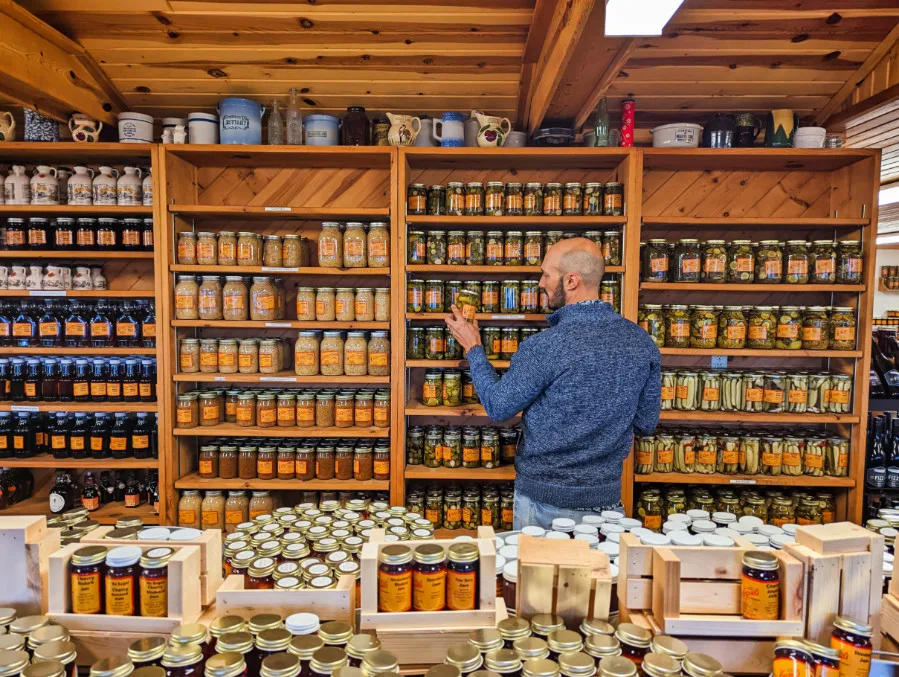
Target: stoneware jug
{"points": [[426, 135], [62, 176], [82, 278], [147, 189], [35, 277], [97, 279], [54, 277], [128, 187], [449, 131], [471, 129], [44, 186], [7, 126], [80, 186], [4, 277], [17, 275], [748, 129], [492, 130], [17, 186], [105, 191], [84, 129], [403, 129], [780, 124]]}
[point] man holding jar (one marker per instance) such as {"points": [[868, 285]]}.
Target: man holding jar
{"points": [[584, 386]]}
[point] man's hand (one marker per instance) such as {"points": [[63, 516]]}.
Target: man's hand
{"points": [[467, 334]]}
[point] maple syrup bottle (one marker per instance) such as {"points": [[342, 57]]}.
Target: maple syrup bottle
{"points": [[65, 384], [131, 381], [102, 327], [50, 380], [6, 426], [23, 436], [98, 378], [148, 325], [90, 493], [59, 436], [127, 328], [5, 325], [141, 436], [50, 326], [99, 438], [32, 380], [76, 326], [120, 436], [81, 380], [79, 436], [17, 380], [24, 328], [147, 380], [114, 375]]}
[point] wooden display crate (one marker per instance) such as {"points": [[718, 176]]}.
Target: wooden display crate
{"points": [[183, 603], [567, 578], [425, 621], [338, 604], [209, 544], [27, 544]]}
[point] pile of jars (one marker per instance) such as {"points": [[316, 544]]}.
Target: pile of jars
{"points": [[269, 408], [450, 506], [437, 343], [516, 199], [772, 452], [777, 392], [343, 304], [750, 509], [744, 261], [289, 458], [889, 277], [65, 379], [104, 324], [499, 248], [453, 447], [337, 353], [508, 296], [756, 328], [65, 234], [448, 388]]}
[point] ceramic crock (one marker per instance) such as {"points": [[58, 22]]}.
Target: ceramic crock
{"points": [[240, 121], [135, 128], [780, 124]]}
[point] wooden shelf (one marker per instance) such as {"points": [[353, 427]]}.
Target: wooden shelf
{"points": [[194, 481], [415, 408], [753, 159], [760, 480], [523, 222], [64, 152], [77, 293], [75, 210], [484, 317], [90, 407], [278, 324], [283, 157], [256, 270], [451, 364], [724, 222], [420, 472], [277, 212], [280, 377], [740, 417], [746, 352], [75, 255], [47, 461], [231, 430], [516, 159], [16, 351], [105, 514], [487, 270], [761, 288]]}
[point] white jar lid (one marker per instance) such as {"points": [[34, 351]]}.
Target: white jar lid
{"points": [[461, 538], [611, 549], [154, 534], [563, 524], [302, 624], [499, 543], [769, 530], [757, 539], [724, 517], [680, 517], [592, 540], [611, 515], [703, 527], [613, 537], [510, 552], [558, 536], [629, 523], [510, 572], [780, 540], [727, 533], [684, 538], [595, 520], [186, 534], [639, 532], [610, 528], [888, 568], [668, 527], [740, 528], [655, 539], [717, 541], [790, 528], [613, 571], [124, 556], [888, 557], [512, 540], [535, 531], [697, 514], [751, 521], [588, 529], [500, 563]]}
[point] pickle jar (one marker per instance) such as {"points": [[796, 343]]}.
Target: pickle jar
{"points": [[789, 329], [611, 247], [796, 258], [815, 329], [571, 200], [415, 296], [850, 262], [732, 328], [740, 261], [687, 261], [474, 248], [655, 261], [533, 199], [416, 199], [474, 199], [434, 299], [514, 199], [436, 248], [437, 200], [677, 323], [822, 262], [592, 202], [714, 261], [552, 199], [762, 328], [651, 318], [842, 328], [513, 248], [417, 247], [494, 198], [769, 263], [455, 198], [703, 327]]}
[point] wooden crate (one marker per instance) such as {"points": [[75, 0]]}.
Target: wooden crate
{"points": [[183, 603], [338, 604], [567, 578], [209, 544], [482, 617], [27, 544]]}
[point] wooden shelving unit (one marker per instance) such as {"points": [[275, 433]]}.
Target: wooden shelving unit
{"points": [[284, 377], [748, 480], [505, 473], [131, 275], [308, 271], [740, 417], [760, 288], [483, 317], [231, 430], [747, 352], [193, 481]]}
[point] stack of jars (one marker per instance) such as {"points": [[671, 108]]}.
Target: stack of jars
{"points": [[337, 353], [744, 261], [450, 506], [234, 301], [756, 328], [284, 408], [289, 458], [771, 452], [437, 343], [66, 234], [343, 304], [777, 392], [453, 447], [516, 199], [499, 248], [232, 356]]}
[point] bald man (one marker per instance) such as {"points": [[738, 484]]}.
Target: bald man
{"points": [[584, 385]]}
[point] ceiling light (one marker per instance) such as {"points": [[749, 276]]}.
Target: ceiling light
{"points": [[889, 195], [639, 17]]}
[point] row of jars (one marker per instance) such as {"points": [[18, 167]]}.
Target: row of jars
{"points": [[744, 261], [468, 447], [343, 304], [768, 452], [67, 233], [756, 328], [448, 388], [499, 248], [328, 353], [516, 199], [233, 356], [340, 459], [326, 506], [450, 506], [438, 343], [508, 296], [269, 408], [209, 299], [773, 392]]}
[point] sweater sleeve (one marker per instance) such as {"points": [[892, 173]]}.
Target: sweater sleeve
{"points": [[504, 397], [647, 416]]}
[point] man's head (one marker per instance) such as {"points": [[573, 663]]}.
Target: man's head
{"points": [[572, 270]]}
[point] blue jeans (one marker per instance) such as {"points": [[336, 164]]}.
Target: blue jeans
{"points": [[529, 512]]}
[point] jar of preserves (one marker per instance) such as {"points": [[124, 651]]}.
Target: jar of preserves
{"points": [[850, 263], [235, 299], [677, 322], [187, 248], [552, 199], [416, 199], [815, 329], [330, 245], [572, 199], [382, 304], [249, 250], [714, 261], [207, 249], [513, 248], [379, 354], [209, 298], [533, 199], [326, 304], [842, 328], [210, 409], [355, 246], [436, 201], [186, 298], [789, 329], [455, 198], [494, 198], [762, 328], [248, 356], [293, 251], [434, 299], [740, 262], [655, 261], [613, 199], [355, 354], [797, 262], [514, 199], [226, 246], [474, 199], [262, 300], [853, 640], [395, 574]]}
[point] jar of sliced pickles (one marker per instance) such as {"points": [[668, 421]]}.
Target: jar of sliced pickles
{"points": [[513, 248], [769, 262], [437, 200], [592, 202], [455, 248], [571, 200], [677, 322], [490, 296], [815, 329], [415, 296], [514, 202], [842, 328], [436, 253], [494, 198], [732, 328], [823, 262], [416, 199], [655, 261], [533, 248], [740, 261], [703, 327], [434, 299], [495, 248], [714, 261], [474, 248], [416, 251], [796, 260], [455, 198], [611, 247], [850, 262], [762, 330], [474, 198], [789, 328], [687, 261], [652, 319], [533, 199], [552, 199]]}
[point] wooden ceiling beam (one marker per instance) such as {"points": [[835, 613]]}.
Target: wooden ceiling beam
{"points": [[609, 76], [863, 71], [865, 109], [46, 71]]}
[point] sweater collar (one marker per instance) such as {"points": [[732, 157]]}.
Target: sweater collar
{"points": [[585, 309]]}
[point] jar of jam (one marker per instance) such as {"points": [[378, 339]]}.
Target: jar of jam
{"points": [[563, 641], [853, 641], [540, 667], [260, 575], [702, 665], [335, 633], [116, 666], [379, 663], [280, 665], [486, 640], [147, 651], [183, 660], [462, 577], [791, 657], [634, 641], [326, 660], [269, 642], [826, 660], [512, 629], [542, 625], [659, 665], [242, 644], [195, 634], [154, 582], [602, 646], [228, 664], [121, 597], [86, 579], [359, 646], [465, 657], [429, 578], [760, 598]]}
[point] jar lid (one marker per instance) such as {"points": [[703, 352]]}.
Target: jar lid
{"points": [[13, 662], [328, 659], [465, 657], [261, 622], [47, 633], [851, 626], [225, 664], [189, 633], [514, 628], [531, 647], [502, 660], [485, 639], [616, 666], [359, 645], [92, 554], [182, 655], [334, 632], [539, 667], [7, 615], [600, 646], [275, 639], [661, 665], [58, 650], [123, 556], [156, 558], [577, 664], [235, 641], [147, 649], [760, 560], [463, 552], [628, 633], [280, 665], [28, 624], [378, 661], [564, 641], [670, 646], [115, 666], [396, 554], [12, 642], [45, 668]]}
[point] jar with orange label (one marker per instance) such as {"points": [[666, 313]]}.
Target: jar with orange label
{"points": [[305, 304], [245, 410], [266, 411], [781, 512], [740, 261], [287, 410], [343, 462], [305, 409], [189, 508], [260, 575], [364, 304], [262, 300], [265, 462], [395, 574], [343, 410], [331, 354], [209, 357], [677, 323], [687, 261], [306, 354], [429, 578], [826, 661], [121, 591], [379, 354], [792, 658], [842, 328], [186, 298], [462, 577], [324, 463], [345, 304], [236, 511], [286, 463], [226, 246], [363, 409], [235, 299], [189, 356], [760, 586], [381, 409], [305, 463], [207, 249], [153, 580], [381, 463], [86, 579], [187, 248], [260, 504], [330, 245], [209, 461], [248, 356], [355, 354], [796, 261], [187, 412], [249, 249], [210, 409], [325, 409], [246, 463]]}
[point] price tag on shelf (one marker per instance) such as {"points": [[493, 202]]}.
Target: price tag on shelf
{"points": [[507, 317], [742, 481], [36, 292], [218, 378], [278, 324], [24, 407], [286, 379], [270, 269], [278, 209], [719, 361]]}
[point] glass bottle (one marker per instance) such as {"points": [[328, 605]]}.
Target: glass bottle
{"points": [[24, 328], [601, 124], [275, 126], [127, 328], [90, 493], [294, 120], [79, 436], [50, 326], [101, 326], [120, 436], [76, 330]]}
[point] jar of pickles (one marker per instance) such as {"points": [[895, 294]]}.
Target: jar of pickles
{"points": [[533, 199], [797, 262], [687, 261], [823, 262], [703, 327], [740, 261], [494, 198], [655, 261], [552, 199], [850, 262], [514, 199], [677, 323], [769, 262], [714, 261], [789, 329], [474, 199], [571, 200]]}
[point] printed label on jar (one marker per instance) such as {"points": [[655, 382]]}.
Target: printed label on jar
{"points": [[377, 359], [118, 443], [792, 459], [187, 517], [394, 591], [843, 333], [771, 459], [381, 467], [736, 332], [206, 360], [811, 333], [714, 264], [120, 596], [774, 396], [209, 518], [664, 456], [760, 600], [814, 460], [363, 415], [377, 249], [355, 358], [755, 395], [305, 414], [140, 441], [825, 266], [226, 359], [667, 393], [210, 413], [758, 332], [471, 454], [708, 456], [797, 396], [743, 264], [205, 467], [234, 516], [797, 267], [301, 468], [710, 394], [330, 357], [461, 588], [659, 265], [730, 456], [22, 329], [154, 595], [86, 593], [653, 522], [266, 416], [838, 396], [679, 329], [286, 414], [689, 265], [429, 590], [787, 330]]}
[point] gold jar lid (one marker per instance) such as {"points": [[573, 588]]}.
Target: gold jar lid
{"points": [[594, 626], [182, 655], [116, 666], [335, 632], [514, 628], [502, 660], [444, 670], [849, 625], [531, 647], [465, 657], [125, 522], [359, 645], [75, 515], [47, 633], [225, 624], [661, 665], [485, 639], [539, 667], [430, 553], [28, 624], [577, 664], [327, 659], [13, 662], [91, 554], [261, 622], [147, 649], [225, 664], [305, 646], [821, 651], [395, 554], [600, 646], [273, 640], [633, 635], [670, 646], [12, 642], [85, 526], [463, 552], [156, 558], [44, 669], [756, 559], [189, 633], [348, 671], [280, 665], [7, 615], [617, 666], [543, 624], [62, 651], [288, 583], [564, 641], [378, 662], [241, 642], [702, 665]]}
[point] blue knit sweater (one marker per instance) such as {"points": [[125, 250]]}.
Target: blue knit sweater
{"points": [[585, 386]]}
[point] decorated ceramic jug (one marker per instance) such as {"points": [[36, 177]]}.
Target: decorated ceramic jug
{"points": [[97, 279], [105, 186], [780, 124], [44, 186], [403, 129], [147, 189], [7, 126], [492, 131], [84, 129], [17, 186], [62, 176], [80, 186], [128, 187], [54, 277], [16, 279], [82, 278], [35, 277]]}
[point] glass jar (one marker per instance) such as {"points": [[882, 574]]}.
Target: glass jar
{"points": [[677, 321], [797, 262], [703, 327], [494, 198], [355, 246], [395, 574], [655, 261], [263, 300], [330, 245], [823, 262], [714, 261], [732, 328], [235, 299], [332, 354], [514, 199], [416, 199], [851, 262], [533, 199], [789, 329], [853, 640], [687, 261], [740, 262], [842, 328], [572, 199], [769, 263], [552, 199], [434, 296], [187, 248], [355, 352], [815, 329], [226, 246], [186, 298], [207, 250], [436, 201], [415, 296], [762, 328], [634, 642], [513, 248], [455, 198], [613, 199], [494, 251], [293, 251], [474, 199], [249, 251]]}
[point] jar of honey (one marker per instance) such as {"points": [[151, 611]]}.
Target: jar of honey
{"points": [[183, 660], [634, 641]]}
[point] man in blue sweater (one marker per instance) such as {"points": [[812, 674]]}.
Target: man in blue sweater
{"points": [[584, 385]]}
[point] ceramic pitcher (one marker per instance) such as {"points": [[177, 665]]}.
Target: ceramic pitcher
{"points": [[44, 186], [35, 277], [128, 187], [147, 189], [105, 192], [17, 275], [84, 129], [449, 130], [79, 187], [7, 126], [54, 277], [780, 124], [4, 277], [17, 186], [63, 174], [403, 129], [426, 136], [97, 279], [82, 278], [492, 130]]}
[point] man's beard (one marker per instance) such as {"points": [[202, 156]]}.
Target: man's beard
{"points": [[556, 300]]}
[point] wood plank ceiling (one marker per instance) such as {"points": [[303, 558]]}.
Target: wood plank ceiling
{"points": [[177, 56]]}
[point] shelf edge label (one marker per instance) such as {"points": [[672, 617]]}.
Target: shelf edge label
{"points": [[42, 292], [507, 317], [287, 379], [218, 378], [285, 325], [278, 209], [742, 481], [719, 361], [270, 269], [24, 407]]}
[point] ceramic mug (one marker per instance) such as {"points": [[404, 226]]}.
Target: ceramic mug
{"points": [[517, 140]]}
